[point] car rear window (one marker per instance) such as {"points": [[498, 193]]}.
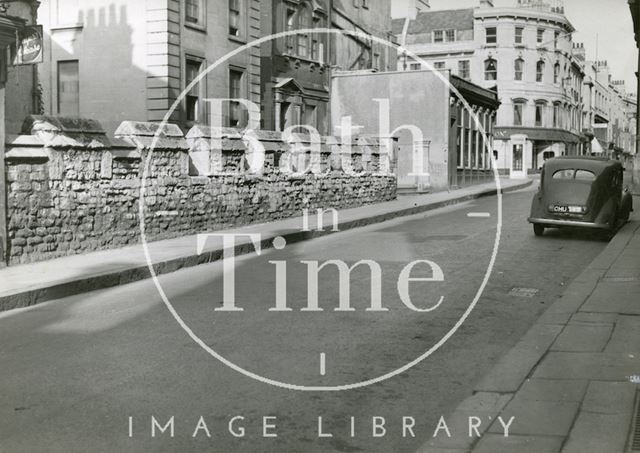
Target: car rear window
{"points": [[564, 174], [570, 173], [585, 175]]}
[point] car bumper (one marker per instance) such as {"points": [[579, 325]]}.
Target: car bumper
{"points": [[569, 223]]}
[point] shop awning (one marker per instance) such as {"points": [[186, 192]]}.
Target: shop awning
{"points": [[537, 134], [596, 146]]}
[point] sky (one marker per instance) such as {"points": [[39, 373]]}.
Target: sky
{"points": [[607, 22]]}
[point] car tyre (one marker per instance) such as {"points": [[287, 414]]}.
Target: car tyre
{"points": [[627, 207], [610, 232], [538, 229]]}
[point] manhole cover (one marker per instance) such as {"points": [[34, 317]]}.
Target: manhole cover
{"points": [[523, 292]]}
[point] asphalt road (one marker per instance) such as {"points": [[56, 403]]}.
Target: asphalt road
{"points": [[92, 372]]}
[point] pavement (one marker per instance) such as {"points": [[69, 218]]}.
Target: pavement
{"points": [[572, 382], [29, 284]]}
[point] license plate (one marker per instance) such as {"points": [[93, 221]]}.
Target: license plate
{"points": [[568, 209]]}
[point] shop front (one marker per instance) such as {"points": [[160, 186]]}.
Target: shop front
{"points": [[522, 151]]}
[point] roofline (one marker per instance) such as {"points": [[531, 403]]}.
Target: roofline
{"points": [[481, 13]]}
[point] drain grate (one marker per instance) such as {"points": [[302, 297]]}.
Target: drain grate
{"points": [[451, 237], [635, 430], [523, 292]]}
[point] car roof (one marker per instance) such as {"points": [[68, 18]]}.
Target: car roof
{"points": [[594, 164]]}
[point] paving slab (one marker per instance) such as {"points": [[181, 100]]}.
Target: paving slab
{"points": [[496, 443], [610, 398], [625, 266], [573, 298], [537, 418], [599, 366], [597, 433], [604, 419], [583, 337], [513, 368], [626, 335], [615, 297], [593, 318], [552, 390]]}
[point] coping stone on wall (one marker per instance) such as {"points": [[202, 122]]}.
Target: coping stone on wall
{"points": [[201, 131], [66, 132], [232, 138], [142, 134]]}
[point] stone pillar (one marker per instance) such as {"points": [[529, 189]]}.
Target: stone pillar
{"points": [[387, 150]]}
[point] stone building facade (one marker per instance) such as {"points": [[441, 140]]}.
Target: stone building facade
{"points": [[609, 113], [297, 69], [527, 52], [150, 51], [441, 146]]}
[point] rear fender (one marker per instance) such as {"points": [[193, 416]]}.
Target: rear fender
{"points": [[537, 210], [608, 211]]}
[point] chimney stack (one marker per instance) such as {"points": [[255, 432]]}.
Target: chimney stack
{"points": [[579, 51]]}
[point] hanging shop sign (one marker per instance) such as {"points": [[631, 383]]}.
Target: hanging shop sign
{"points": [[29, 46]]}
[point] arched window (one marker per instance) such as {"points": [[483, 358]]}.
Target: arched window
{"points": [[556, 73], [518, 68], [540, 71], [490, 69]]}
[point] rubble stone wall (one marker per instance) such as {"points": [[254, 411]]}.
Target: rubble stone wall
{"points": [[71, 190]]}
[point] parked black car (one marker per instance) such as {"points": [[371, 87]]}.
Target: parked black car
{"points": [[580, 192]]}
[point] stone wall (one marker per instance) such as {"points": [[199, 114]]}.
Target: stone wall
{"points": [[71, 189]]}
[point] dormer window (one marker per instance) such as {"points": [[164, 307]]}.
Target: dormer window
{"points": [[440, 36]]}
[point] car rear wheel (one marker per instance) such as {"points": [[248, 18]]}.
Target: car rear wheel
{"points": [[538, 229], [627, 207]]}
